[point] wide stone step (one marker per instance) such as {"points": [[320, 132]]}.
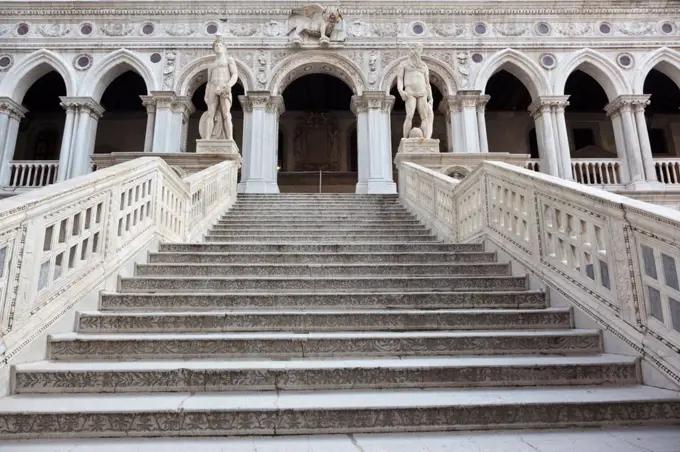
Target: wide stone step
{"points": [[360, 229], [46, 377], [75, 346], [337, 232], [287, 247], [178, 302], [336, 320], [317, 412], [314, 258], [316, 204], [323, 270], [322, 238], [346, 217], [321, 208], [322, 284], [367, 225]]}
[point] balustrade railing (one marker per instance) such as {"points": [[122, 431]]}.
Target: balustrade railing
{"points": [[615, 258], [533, 165], [596, 171], [59, 244], [33, 173], [668, 171]]}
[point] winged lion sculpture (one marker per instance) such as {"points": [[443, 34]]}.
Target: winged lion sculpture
{"points": [[315, 20]]}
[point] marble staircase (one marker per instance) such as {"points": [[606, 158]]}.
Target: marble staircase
{"points": [[305, 313]]}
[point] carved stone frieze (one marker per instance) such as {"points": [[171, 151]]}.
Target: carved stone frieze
{"points": [[180, 29], [573, 29], [387, 29], [242, 30], [54, 30], [116, 29], [274, 28], [510, 29], [169, 67], [636, 28], [449, 30]]}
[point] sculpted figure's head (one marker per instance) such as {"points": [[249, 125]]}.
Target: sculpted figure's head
{"points": [[416, 52], [219, 46], [332, 14]]}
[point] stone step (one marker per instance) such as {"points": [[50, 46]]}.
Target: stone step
{"points": [[332, 196], [128, 346], [284, 247], [178, 302], [337, 232], [339, 284], [264, 222], [309, 216], [323, 320], [322, 238], [368, 211], [274, 226], [323, 270], [316, 204], [323, 412], [315, 258], [46, 377]]}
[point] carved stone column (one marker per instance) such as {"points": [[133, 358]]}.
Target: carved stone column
{"points": [[558, 105], [373, 109], [67, 141], [150, 105], [11, 113], [261, 113], [541, 110], [640, 102], [620, 110], [182, 109], [85, 132], [481, 122], [450, 107], [467, 103], [163, 126]]}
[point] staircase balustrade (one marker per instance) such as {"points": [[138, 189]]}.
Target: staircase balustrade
{"points": [[668, 171], [33, 173], [596, 171], [613, 257], [61, 243]]}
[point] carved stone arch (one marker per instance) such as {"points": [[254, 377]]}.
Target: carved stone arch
{"points": [[518, 64], [105, 71], [440, 75], [456, 171], [664, 60], [195, 74], [26, 72], [316, 62], [599, 67]]}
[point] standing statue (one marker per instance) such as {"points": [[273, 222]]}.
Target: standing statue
{"points": [[315, 20], [216, 123], [413, 83]]}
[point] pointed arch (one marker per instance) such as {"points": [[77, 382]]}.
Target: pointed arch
{"points": [[316, 62], [518, 64], [22, 76], [111, 66], [195, 74], [664, 60], [440, 75], [599, 67]]}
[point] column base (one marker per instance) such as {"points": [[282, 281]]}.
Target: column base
{"points": [[257, 186], [376, 187], [216, 147]]}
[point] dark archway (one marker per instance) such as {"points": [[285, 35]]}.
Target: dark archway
{"points": [[122, 127], [198, 100], [590, 130], [508, 125], [399, 114], [316, 127], [662, 114]]}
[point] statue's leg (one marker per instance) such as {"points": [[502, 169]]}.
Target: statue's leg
{"points": [[426, 117], [225, 110], [410, 110]]}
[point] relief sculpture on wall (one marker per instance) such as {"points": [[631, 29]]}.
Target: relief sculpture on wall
{"points": [[315, 20]]}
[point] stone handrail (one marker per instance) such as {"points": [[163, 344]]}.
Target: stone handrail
{"points": [[614, 258], [596, 171], [32, 173], [668, 170], [70, 240]]}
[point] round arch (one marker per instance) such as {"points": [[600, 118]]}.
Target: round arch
{"points": [[440, 75], [316, 62], [599, 67], [195, 74], [517, 64], [111, 66], [25, 73], [664, 60]]}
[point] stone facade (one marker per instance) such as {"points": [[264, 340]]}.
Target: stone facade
{"points": [[465, 44]]}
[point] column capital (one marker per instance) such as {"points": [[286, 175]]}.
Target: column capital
{"points": [[85, 105], [449, 104], [372, 100], [183, 104], [547, 103], [164, 99], [627, 102], [149, 103], [262, 99], [481, 102], [11, 108]]}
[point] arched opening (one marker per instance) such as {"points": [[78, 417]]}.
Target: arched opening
{"points": [[198, 100], [123, 125], [399, 115], [40, 133], [662, 115], [590, 131], [317, 153], [508, 126]]}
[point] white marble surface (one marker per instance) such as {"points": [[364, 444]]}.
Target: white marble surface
{"points": [[612, 440]]}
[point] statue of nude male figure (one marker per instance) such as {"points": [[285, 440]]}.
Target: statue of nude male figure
{"points": [[222, 75], [413, 83]]}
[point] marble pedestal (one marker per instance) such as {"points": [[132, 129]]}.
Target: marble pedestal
{"points": [[418, 146], [216, 147]]}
